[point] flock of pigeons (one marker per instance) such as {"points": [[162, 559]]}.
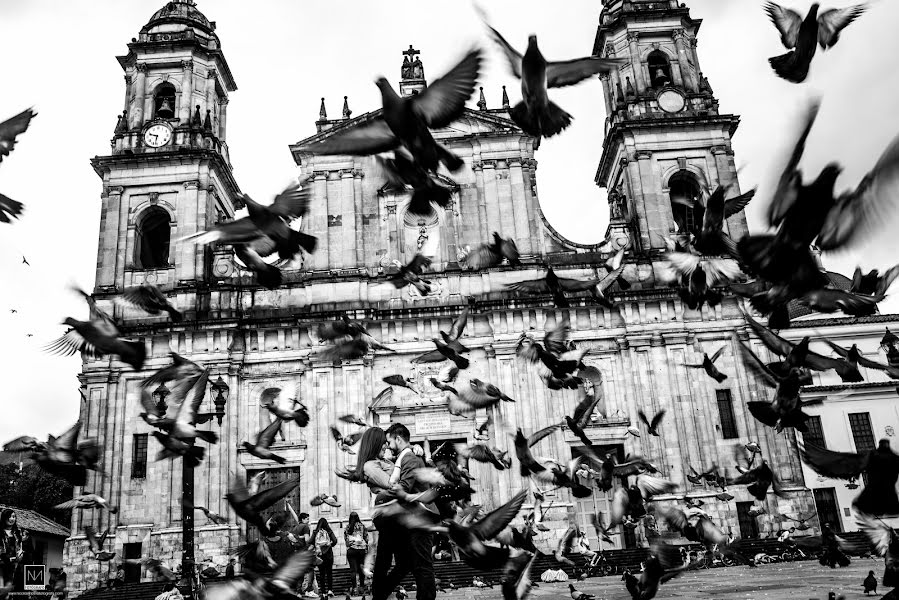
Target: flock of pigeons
{"points": [[702, 260]]}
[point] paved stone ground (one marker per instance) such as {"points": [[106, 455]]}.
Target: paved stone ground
{"points": [[783, 581]]}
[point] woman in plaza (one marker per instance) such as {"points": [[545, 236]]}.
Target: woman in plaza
{"points": [[11, 546], [325, 540], [373, 467], [356, 537]]}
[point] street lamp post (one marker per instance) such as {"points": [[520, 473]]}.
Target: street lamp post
{"points": [[188, 570]]}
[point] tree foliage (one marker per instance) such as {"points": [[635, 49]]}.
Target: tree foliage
{"points": [[35, 489]]}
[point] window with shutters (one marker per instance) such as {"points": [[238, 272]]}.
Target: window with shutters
{"points": [[862, 434], [139, 456], [726, 411], [815, 433]]}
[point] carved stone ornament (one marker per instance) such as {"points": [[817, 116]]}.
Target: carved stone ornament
{"points": [[154, 197]]}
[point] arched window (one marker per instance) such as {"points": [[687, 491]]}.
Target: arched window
{"points": [[684, 192], [164, 101], [659, 68], [152, 239]]}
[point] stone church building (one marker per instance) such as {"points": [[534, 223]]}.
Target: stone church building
{"points": [[168, 175]]}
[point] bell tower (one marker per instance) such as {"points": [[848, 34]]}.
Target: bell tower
{"points": [[665, 138], [168, 173]]}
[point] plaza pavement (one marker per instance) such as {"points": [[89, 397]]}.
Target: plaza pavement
{"points": [[783, 581]]}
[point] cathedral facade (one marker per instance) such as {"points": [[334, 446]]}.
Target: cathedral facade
{"points": [[168, 176]]}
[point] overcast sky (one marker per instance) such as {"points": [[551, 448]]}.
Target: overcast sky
{"points": [[59, 56]]}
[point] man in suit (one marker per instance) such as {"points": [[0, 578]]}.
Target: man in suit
{"points": [[410, 550]]}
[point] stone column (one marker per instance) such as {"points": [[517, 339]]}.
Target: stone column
{"points": [[506, 203], [121, 246], [639, 200], [607, 93], [693, 44], [209, 92], [478, 168], [358, 211], [223, 118], [656, 222], [636, 62], [523, 237], [140, 90], [448, 222], [319, 220], [689, 77], [187, 91], [189, 260], [350, 243], [107, 257], [491, 199], [128, 79]]}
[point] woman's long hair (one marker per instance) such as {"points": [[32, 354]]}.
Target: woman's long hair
{"points": [[369, 448], [322, 524], [4, 522], [353, 521]]}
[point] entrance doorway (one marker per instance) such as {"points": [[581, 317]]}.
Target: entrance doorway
{"points": [[828, 509], [272, 478], [443, 448], [749, 527], [599, 504], [132, 550]]}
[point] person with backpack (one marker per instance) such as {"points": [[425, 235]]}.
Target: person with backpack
{"points": [[356, 537], [324, 541]]}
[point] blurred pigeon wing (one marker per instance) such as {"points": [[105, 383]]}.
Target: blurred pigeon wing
{"points": [[490, 526], [11, 128], [267, 497], [483, 256], [287, 576], [513, 57], [787, 22], [832, 22], [532, 286], [538, 435], [443, 101], [569, 72], [867, 210], [840, 465], [787, 187], [368, 138], [267, 436], [293, 202]]}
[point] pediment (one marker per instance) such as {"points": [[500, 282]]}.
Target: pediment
{"points": [[472, 122]]}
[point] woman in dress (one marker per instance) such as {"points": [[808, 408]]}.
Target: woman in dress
{"points": [[11, 548], [325, 540], [356, 537]]}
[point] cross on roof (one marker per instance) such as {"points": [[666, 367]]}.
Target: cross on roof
{"points": [[411, 52]]}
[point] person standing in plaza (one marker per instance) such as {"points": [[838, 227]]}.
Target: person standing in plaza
{"points": [[325, 540], [410, 550], [356, 537], [11, 546]]}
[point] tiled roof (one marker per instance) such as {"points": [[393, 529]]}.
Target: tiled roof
{"points": [[32, 521]]}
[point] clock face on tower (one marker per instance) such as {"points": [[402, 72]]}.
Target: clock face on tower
{"points": [[157, 135], [671, 101]]}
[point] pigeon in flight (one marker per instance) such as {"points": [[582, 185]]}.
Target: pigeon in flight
{"points": [[708, 364], [9, 129], [148, 297], [536, 113], [405, 122], [802, 36]]}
